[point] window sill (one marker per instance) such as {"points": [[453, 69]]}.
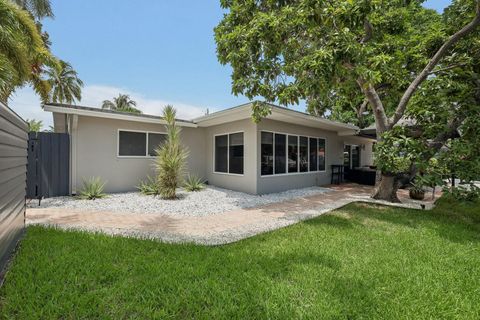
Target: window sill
{"points": [[229, 174], [291, 174]]}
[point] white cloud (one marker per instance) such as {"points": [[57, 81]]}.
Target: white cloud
{"points": [[27, 104]]}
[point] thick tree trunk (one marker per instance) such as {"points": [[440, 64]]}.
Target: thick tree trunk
{"points": [[387, 188]]}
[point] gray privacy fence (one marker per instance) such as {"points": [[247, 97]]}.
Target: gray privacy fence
{"points": [[48, 165], [13, 170]]}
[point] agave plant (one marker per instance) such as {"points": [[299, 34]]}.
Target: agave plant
{"points": [[193, 183], [171, 157], [149, 187], [92, 189]]}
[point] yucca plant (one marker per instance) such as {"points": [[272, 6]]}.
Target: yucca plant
{"points": [[193, 183], [92, 189], [149, 187], [171, 157]]}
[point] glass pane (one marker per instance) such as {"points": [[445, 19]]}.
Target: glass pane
{"points": [[303, 154], [155, 140], [321, 154], [266, 153], [132, 143], [292, 154], [355, 157], [346, 156], [221, 153], [280, 153], [313, 154], [236, 153]]}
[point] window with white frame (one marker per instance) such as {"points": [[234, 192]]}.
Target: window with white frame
{"points": [[285, 153], [229, 153], [139, 143]]}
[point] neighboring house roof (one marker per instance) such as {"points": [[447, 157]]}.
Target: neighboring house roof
{"points": [[241, 112]]}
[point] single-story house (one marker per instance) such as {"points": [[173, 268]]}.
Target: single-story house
{"points": [[286, 150]]}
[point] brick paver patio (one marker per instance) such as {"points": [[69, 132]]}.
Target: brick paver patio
{"points": [[211, 229]]}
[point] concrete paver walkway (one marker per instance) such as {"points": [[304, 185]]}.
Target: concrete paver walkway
{"points": [[212, 229]]}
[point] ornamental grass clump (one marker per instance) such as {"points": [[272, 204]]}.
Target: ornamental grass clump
{"points": [[92, 189], [171, 157]]}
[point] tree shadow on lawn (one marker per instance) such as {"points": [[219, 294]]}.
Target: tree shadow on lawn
{"points": [[456, 222]]}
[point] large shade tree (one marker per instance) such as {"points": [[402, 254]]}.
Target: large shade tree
{"points": [[373, 54]]}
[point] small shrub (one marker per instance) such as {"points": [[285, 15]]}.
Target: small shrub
{"points": [[149, 187], [92, 189], [464, 193], [193, 183]]}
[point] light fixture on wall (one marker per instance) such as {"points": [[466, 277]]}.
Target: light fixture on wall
{"points": [[363, 147]]}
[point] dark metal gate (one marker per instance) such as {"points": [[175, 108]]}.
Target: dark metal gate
{"points": [[48, 170]]}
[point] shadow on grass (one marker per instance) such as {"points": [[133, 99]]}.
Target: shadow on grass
{"points": [[451, 220]]}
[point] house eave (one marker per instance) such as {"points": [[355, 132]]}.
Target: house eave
{"points": [[111, 115]]}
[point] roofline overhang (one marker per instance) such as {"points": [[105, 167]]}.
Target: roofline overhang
{"points": [[111, 115], [344, 128]]}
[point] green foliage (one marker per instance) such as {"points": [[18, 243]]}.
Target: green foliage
{"points": [[23, 52], [288, 51], [34, 125], [122, 103], [193, 183], [92, 189], [358, 262], [149, 187], [396, 152], [469, 193], [38, 8], [171, 157], [64, 82]]}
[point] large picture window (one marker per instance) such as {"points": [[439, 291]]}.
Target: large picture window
{"points": [[303, 155], [229, 153], [235, 150], [155, 141], [266, 147], [139, 144], [292, 154], [283, 153], [280, 153], [313, 154]]}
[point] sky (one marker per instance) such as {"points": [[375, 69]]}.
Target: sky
{"points": [[157, 51]]}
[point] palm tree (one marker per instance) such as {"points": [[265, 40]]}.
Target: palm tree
{"points": [[22, 52], [121, 103], [38, 8], [64, 82], [34, 125]]}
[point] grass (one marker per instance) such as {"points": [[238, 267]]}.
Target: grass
{"points": [[359, 262]]}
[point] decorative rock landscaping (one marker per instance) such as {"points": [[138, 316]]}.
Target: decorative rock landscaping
{"points": [[211, 200]]}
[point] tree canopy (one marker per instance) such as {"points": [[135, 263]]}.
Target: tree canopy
{"points": [[345, 58]]}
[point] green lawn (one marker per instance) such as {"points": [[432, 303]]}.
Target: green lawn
{"points": [[361, 261]]}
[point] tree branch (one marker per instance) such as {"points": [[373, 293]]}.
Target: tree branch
{"points": [[431, 65], [368, 32], [381, 120], [453, 66]]}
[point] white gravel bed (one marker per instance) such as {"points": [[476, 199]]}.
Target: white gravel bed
{"points": [[211, 200]]}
